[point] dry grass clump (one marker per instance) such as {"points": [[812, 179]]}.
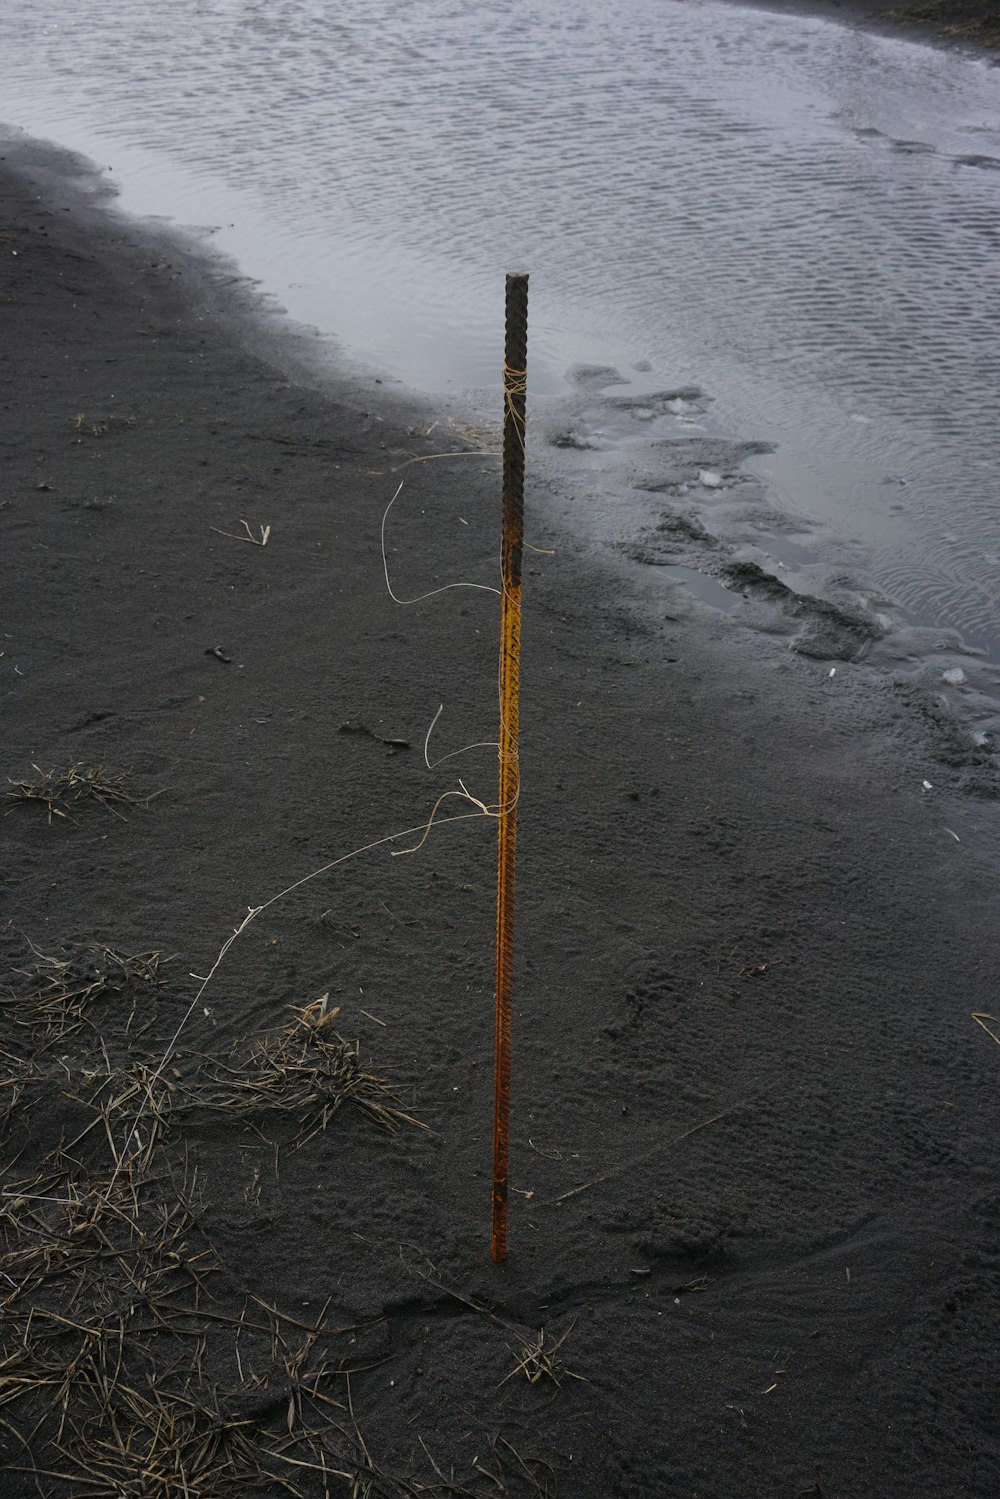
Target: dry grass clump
{"points": [[62, 992], [123, 1377], [310, 1071], [130, 1110], [539, 1359], [57, 791], [110, 1361], [77, 1251], [138, 1442], [972, 22], [132, 1364]]}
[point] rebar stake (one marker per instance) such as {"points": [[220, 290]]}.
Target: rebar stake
{"points": [[515, 380]]}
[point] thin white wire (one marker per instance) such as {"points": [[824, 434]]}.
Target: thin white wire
{"points": [[254, 911], [484, 587], [479, 744]]}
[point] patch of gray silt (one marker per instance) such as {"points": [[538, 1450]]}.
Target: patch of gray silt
{"points": [[825, 629], [703, 465]]}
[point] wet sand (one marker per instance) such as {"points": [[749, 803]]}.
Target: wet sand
{"points": [[754, 1205]]}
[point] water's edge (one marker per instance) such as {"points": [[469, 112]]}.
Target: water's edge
{"points": [[690, 537]]}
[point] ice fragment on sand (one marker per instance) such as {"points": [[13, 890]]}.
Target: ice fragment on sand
{"points": [[955, 675], [979, 739], [710, 478]]}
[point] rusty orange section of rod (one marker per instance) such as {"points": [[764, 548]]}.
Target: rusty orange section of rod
{"points": [[515, 376]]}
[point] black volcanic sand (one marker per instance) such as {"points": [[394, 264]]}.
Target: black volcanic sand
{"points": [[755, 1122]]}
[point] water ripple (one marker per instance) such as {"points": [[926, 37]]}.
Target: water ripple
{"points": [[801, 218]]}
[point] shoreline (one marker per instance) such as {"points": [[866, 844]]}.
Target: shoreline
{"points": [[972, 25], [752, 1167]]}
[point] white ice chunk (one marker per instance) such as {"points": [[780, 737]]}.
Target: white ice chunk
{"points": [[710, 478], [955, 675]]}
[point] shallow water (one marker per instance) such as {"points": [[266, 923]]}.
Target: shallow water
{"points": [[797, 218]]}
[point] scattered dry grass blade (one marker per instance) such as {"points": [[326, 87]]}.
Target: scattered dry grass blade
{"points": [[540, 1360], [57, 791], [310, 1071], [257, 541], [115, 1103], [86, 1248], [987, 1022], [62, 991], [15, 1072]]}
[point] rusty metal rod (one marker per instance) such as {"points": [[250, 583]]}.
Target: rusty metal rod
{"points": [[515, 377]]}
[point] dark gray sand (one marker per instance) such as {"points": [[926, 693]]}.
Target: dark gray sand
{"points": [[754, 1219]]}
